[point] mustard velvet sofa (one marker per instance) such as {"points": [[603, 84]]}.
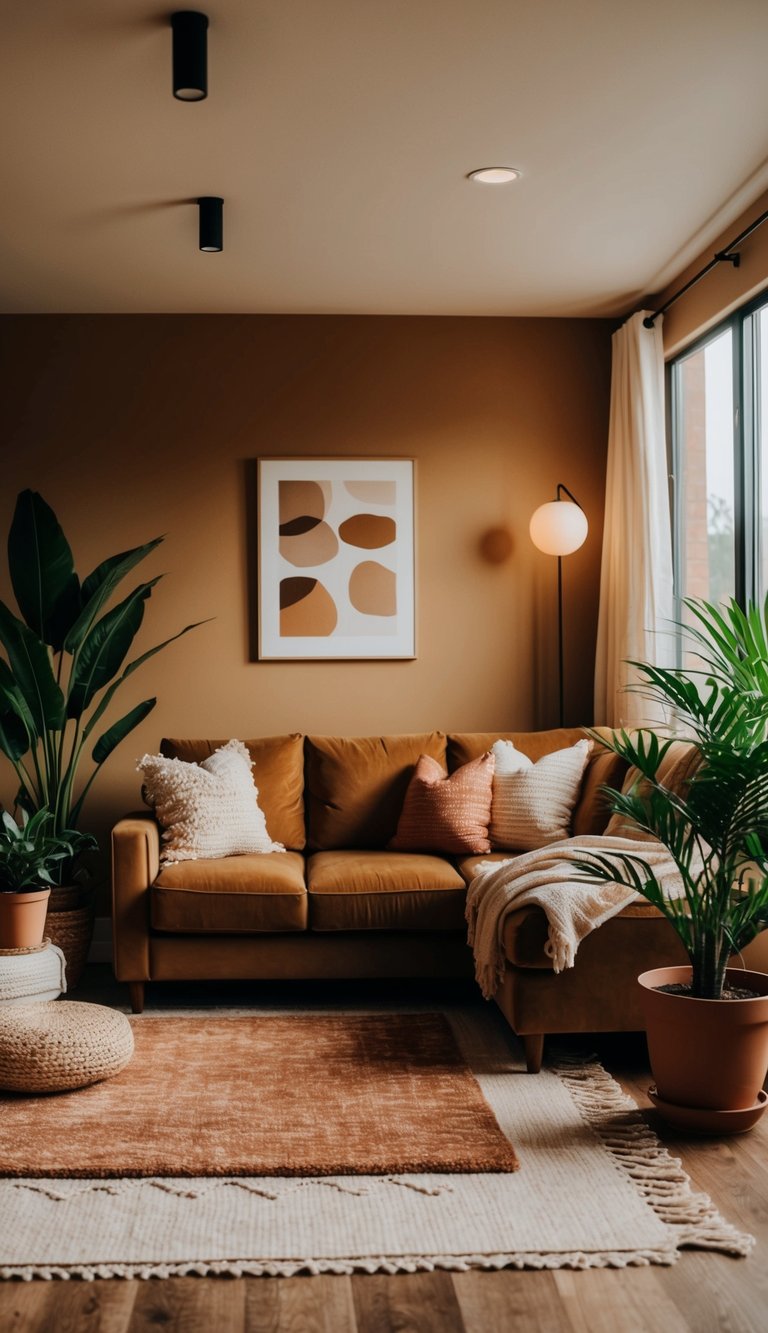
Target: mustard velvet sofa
{"points": [[337, 905]]}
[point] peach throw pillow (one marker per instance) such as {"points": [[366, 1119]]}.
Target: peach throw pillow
{"points": [[446, 814]]}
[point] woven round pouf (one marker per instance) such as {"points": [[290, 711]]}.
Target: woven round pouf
{"points": [[57, 1046]]}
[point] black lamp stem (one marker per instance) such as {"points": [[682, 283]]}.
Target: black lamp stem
{"points": [[560, 635], [558, 496]]}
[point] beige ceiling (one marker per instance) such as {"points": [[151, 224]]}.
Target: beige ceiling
{"points": [[339, 133]]}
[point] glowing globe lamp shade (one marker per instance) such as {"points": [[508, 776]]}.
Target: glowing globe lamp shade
{"points": [[559, 527]]}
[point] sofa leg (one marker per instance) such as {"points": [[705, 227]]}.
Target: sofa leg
{"points": [[534, 1051], [136, 992]]}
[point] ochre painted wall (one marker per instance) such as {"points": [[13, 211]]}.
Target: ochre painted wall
{"points": [[134, 426]]}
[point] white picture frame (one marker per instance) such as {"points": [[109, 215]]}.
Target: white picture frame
{"points": [[336, 559]]}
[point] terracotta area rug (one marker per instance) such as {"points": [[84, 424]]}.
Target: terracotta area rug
{"points": [[280, 1095], [595, 1189]]}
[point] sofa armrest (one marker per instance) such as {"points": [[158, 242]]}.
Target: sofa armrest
{"points": [[135, 865]]}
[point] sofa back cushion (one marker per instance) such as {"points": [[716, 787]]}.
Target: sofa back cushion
{"points": [[278, 771], [675, 771], [356, 785], [605, 769], [591, 812]]}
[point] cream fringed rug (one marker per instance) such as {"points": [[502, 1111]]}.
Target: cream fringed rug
{"points": [[595, 1189]]}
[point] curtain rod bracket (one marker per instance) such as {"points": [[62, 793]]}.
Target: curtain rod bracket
{"points": [[729, 255]]}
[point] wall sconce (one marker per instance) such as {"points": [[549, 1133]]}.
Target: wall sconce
{"points": [[211, 223], [559, 528], [190, 55]]}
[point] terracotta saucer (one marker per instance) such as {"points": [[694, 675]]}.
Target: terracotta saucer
{"points": [[702, 1120]]}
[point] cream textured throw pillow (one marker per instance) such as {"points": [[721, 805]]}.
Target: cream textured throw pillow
{"points": [[533, 803], [209, 809]]}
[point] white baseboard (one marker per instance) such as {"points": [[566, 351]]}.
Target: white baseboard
{"points": [[101, 944]]}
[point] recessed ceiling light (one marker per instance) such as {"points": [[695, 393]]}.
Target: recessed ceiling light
{"points": [[494, 175]]}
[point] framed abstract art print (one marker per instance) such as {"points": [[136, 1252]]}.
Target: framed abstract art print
{"points": [[336, 558]]}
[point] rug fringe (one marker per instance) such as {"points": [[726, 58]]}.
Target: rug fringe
{"points": [[659, 1176], [454, 1263]]}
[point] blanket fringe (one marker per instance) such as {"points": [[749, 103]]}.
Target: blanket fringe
{"points": [[658, 1175]]}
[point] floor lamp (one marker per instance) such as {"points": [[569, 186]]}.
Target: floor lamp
{"points": [[558, 528]]}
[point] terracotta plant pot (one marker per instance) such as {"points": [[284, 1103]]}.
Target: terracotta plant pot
{"points": [[22, 918], [711, 1054]]}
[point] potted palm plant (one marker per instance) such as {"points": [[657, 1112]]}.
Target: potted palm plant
{"points": [[707, 1024], [30, 854], [65, 659]]}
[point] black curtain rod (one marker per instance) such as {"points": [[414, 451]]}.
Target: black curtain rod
{"points": [[725, 256]]}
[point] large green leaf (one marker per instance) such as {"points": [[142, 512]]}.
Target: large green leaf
{"points": [[108, 695], [104, 650], [120, 729], [13, 701], [31, 666], [42, 571], [99, 586], [14, 741]]}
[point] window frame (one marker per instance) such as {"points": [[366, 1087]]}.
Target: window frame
{"points": [[745, 353]]}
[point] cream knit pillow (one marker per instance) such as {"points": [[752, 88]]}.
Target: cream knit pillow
{"points": [[209, 809], [533, 803]]}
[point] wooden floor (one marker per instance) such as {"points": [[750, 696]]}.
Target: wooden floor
{"points": [[701, 1293]]}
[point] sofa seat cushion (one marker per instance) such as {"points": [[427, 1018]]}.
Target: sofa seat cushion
{"points": [[467, 865], [231, 895], [355, 890], [525, 933]]}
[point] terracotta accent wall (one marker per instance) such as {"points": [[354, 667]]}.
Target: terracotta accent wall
{"points": [[138, 425], [722, 290]]}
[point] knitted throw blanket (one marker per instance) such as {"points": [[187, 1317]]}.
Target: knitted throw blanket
{"points": [[549, 878]]}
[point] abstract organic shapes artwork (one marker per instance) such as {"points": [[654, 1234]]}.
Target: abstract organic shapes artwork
{"points": [[368, 530], [328, 518], [306, 608], [372, 589]]}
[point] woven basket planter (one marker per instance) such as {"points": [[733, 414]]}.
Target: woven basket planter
{"points": [[71, 928]]}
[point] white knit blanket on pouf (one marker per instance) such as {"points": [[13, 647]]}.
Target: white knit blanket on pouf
{"points": [[27, 977], [549, 878]]}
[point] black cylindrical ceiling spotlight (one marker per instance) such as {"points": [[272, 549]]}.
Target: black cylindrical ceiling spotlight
{"points": [[211, 223], [190, 55]]}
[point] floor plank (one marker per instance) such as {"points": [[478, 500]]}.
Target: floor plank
{"points": [[631, 1299], [88, 1307], [300, 1305], [497, 1302], [189, 1305], [22, 1305], [409, 1303]]}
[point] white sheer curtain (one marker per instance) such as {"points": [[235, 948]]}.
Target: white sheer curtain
{"points": [[636, 593]]}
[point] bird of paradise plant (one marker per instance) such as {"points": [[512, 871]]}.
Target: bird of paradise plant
{"points": [[64, 662]]}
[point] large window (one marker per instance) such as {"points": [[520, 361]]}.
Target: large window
{"points": [[718, 398]]}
